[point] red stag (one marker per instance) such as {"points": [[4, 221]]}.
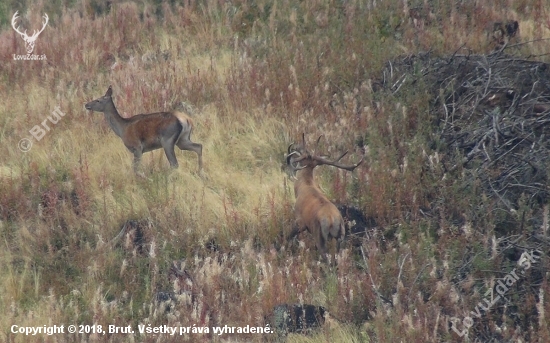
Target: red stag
{"points": [[313, 210], [146, 132]]}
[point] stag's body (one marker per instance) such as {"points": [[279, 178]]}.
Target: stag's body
{"points": [[146, 132], [313, 210]]}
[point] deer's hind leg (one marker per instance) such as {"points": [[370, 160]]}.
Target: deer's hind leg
{"points": [[184, 143], [171, 155], [322, 236], [168, 146]]}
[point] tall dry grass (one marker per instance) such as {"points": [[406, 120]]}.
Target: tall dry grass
{"points": [[257, 75]]}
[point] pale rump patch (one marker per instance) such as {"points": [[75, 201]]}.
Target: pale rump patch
{"points": [[183, 118]]}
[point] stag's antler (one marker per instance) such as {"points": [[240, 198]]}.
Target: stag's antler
{"points": [[320, 160], [293, 162]]}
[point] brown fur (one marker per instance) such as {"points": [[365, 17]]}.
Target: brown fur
{"points": [[313, 210], [145, 132]]}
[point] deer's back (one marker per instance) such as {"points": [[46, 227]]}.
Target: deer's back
{"points": [[151, 128], [312, 206]]}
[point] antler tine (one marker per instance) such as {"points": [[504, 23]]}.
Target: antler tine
{"points": [[339, 158], [294, 164], [292, 152], [290, 146], [338, 165], [289, 157], [317, 143]]}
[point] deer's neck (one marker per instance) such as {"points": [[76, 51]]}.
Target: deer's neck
{"points": [[116, 122], [305, 179]]}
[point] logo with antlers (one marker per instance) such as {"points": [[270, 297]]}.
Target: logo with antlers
{"points": [[29, 40]]}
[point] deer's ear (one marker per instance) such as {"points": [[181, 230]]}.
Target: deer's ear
{"points": [[109, 91]]}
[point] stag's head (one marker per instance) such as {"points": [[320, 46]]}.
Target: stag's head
{"points": [[299, 157], [100, 104], [29, 40]]}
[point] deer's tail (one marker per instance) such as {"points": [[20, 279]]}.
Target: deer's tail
{"points": [[186, 124]]}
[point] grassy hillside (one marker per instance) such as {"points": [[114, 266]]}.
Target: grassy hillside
{"points": [[254, 75]]}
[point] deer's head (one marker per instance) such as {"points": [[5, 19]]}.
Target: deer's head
{"points": [[29, 40], [99, 104]]}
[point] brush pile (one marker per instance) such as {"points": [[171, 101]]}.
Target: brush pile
{"points": [[493, 118]]}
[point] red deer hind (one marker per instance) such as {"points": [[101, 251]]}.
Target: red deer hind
{"points": [[313, 211], [146, 132]]}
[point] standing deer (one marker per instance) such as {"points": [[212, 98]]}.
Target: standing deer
{"points": [[146, 132], [313, 210]]}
